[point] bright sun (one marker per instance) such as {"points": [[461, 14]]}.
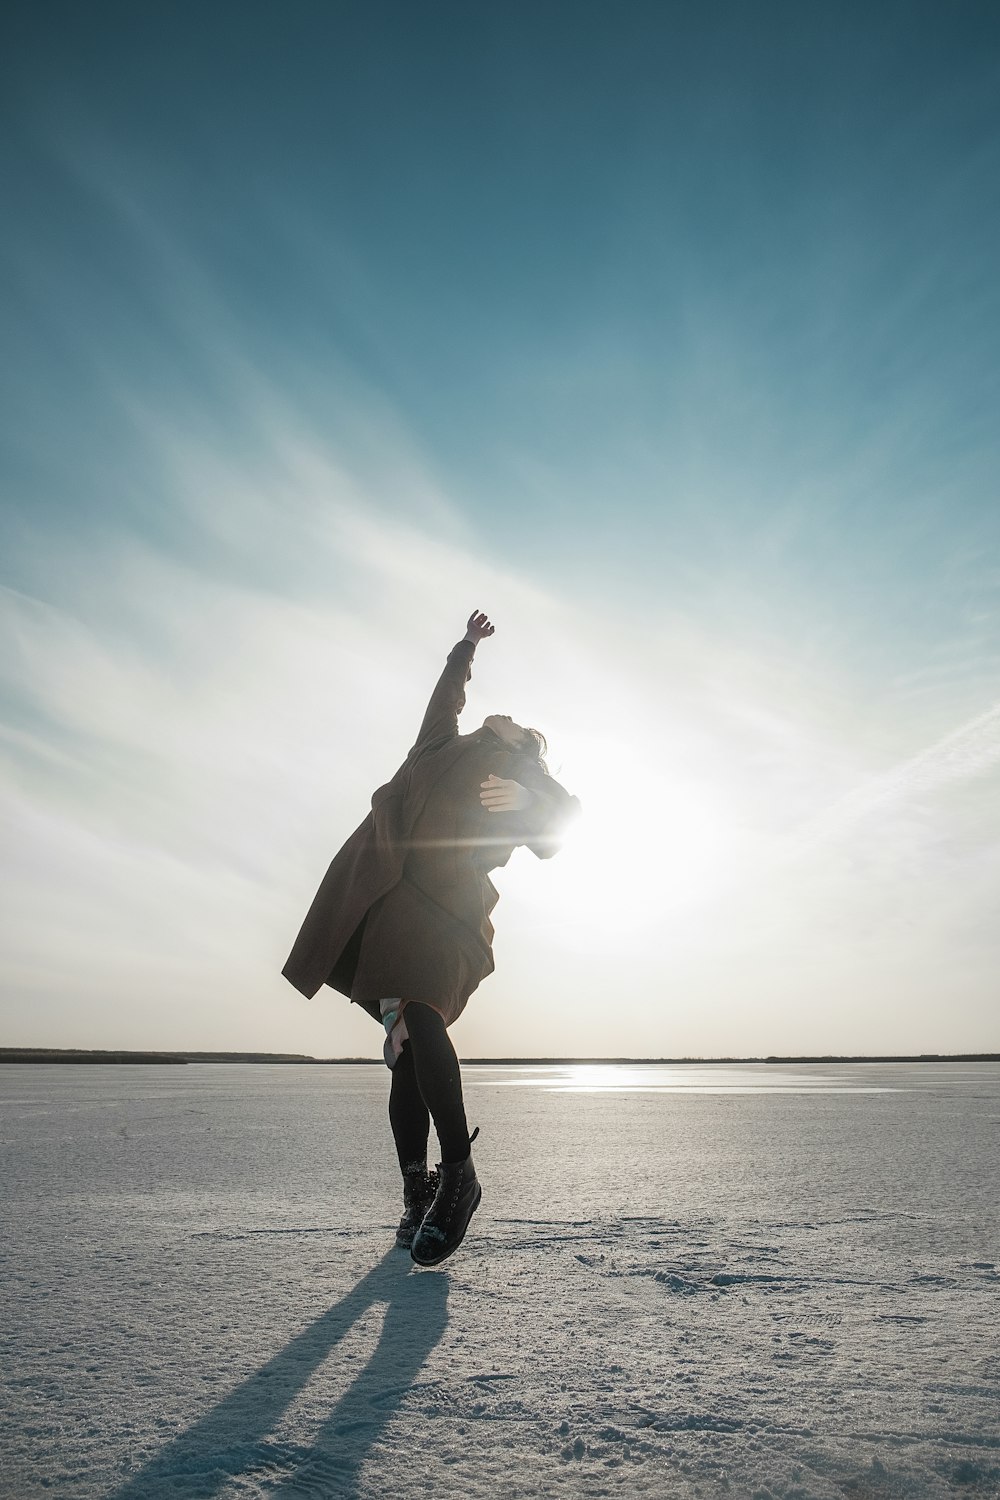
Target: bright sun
{"points": [[640, 851]]}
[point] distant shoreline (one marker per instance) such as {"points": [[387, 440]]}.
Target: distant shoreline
{"points": [[119, 1055]]}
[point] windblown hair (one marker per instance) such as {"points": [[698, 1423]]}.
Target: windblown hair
{"points": [[536, 748]]}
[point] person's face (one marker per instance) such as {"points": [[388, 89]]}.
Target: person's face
{"points": [[505, 729]]}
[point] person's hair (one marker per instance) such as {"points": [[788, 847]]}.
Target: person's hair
{"points": [[535, 747]]}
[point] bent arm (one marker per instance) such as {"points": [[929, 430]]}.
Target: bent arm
{"points": [[555, 809], [534, 809]]}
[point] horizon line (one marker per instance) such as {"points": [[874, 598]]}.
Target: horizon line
{"points": [[27, 1054]]}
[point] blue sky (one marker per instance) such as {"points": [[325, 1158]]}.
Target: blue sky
{"points": [[669, 334]]}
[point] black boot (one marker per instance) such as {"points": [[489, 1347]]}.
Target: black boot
{"points": [[419, 1187], [447, 1219]]}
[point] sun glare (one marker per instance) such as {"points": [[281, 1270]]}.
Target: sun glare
{"points": [[640, 851]]}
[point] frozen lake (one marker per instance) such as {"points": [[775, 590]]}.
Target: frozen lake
{"points": [[760, 1281]]}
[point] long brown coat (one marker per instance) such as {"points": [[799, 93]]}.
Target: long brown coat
{"points": [[403, 911]]}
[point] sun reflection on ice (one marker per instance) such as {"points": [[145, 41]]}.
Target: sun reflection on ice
{"points": [[684, 1078]]}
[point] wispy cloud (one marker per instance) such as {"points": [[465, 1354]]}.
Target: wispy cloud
{"points": [[185, 751], [227, 641], [971, 750]]}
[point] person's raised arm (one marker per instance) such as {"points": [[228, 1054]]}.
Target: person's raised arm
{"points": [[448, 697]]}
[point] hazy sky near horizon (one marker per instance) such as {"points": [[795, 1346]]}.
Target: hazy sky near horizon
{"points": [[669, 335]]}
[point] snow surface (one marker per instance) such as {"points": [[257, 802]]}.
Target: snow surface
{"points": [[744, 1282]]}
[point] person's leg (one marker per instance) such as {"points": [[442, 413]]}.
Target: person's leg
{"points": [[408, 1114], [411, 1123], [443, 1226], [438, 1079]]}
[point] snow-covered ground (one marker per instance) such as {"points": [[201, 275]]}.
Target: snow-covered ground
{"points": [[745, 1281]]}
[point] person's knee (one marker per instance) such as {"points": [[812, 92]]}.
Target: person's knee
{"points": [[423, 1020]]}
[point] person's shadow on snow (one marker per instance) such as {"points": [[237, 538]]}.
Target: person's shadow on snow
{"points": [[232, 1438]]}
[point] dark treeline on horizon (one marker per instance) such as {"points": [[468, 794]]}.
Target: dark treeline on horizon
{"points": [[121, 1055]]}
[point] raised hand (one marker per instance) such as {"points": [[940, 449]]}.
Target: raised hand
{"points": [[478, 628], [500, 795]]}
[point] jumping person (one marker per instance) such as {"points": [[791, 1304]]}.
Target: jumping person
{"points": [[401, 925]]}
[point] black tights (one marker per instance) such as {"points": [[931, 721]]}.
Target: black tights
{"points": [[426, 1084]]}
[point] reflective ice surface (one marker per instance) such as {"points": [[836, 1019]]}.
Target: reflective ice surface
{"points": [[750, 1078], [731, 1278]]}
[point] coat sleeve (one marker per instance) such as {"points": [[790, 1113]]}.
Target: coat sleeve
{"points": [[448, 697], [542, 825]]}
